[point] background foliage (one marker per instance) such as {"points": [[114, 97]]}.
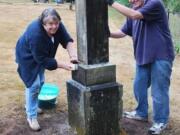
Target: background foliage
{"points": [[172, 5]]}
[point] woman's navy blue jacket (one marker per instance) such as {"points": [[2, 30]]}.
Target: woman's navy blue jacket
{"points": [[35, 50]]}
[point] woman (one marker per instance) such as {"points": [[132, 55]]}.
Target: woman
{"points": [[35, 52]]}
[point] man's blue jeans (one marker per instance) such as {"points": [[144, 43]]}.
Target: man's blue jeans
{"points": [[32, 95], [157, 75]]}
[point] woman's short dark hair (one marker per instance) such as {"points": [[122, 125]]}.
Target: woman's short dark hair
{"points": [[49, 12]]}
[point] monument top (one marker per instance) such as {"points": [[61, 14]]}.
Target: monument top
{"points": [[92, 36]]}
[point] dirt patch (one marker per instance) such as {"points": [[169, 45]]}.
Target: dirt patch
{"points": [[133, 127], [53, 122], [56, 123]]}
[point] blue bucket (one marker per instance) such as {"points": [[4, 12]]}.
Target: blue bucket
{"points": [[48, 95], [59, 1]]}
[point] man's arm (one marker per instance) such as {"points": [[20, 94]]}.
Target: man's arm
{"points": [[117, 34], [131, 13]]}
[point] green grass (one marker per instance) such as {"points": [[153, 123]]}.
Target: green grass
{"points": [[124, 2], [175, 30], [177, 48]]}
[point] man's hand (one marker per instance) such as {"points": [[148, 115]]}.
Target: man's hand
{"points": [[118, 34], [110, 2], [108, 31]]}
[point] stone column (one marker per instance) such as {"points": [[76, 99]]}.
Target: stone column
{"points": [[94, 96]]}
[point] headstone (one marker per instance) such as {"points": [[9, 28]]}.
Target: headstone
{"points": [[94, 96]]}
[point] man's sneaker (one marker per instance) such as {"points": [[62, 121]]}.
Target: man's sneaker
{"points": [[133, 115], [157, 128], [40, 111], [33, 124]]}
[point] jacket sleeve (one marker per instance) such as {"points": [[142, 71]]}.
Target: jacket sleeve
{"points": [[40, 53], [63, 36]]}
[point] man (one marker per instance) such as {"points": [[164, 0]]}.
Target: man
{"points": [[147, 24], [35, 52]]}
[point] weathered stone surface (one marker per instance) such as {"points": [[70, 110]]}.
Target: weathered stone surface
{"points": [[95, 110], [92, 37], [94, 97], [95, 74]]}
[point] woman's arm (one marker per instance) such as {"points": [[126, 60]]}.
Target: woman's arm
{"points": [[72, 52]]}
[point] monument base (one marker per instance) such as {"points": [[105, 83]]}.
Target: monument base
{"points": [[96, 109]]}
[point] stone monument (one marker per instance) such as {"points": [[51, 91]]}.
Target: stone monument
{"points": [[94, 96]]}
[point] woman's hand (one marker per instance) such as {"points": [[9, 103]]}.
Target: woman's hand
{"points": [[66, 66], [74, 60]]}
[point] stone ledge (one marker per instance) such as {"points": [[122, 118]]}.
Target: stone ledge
{"points": [[95, 74]]}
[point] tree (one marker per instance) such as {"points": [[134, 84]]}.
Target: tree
{"points": [[172, 5]]}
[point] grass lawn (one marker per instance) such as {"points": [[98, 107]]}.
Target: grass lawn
{"points": [[175, 30]]}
